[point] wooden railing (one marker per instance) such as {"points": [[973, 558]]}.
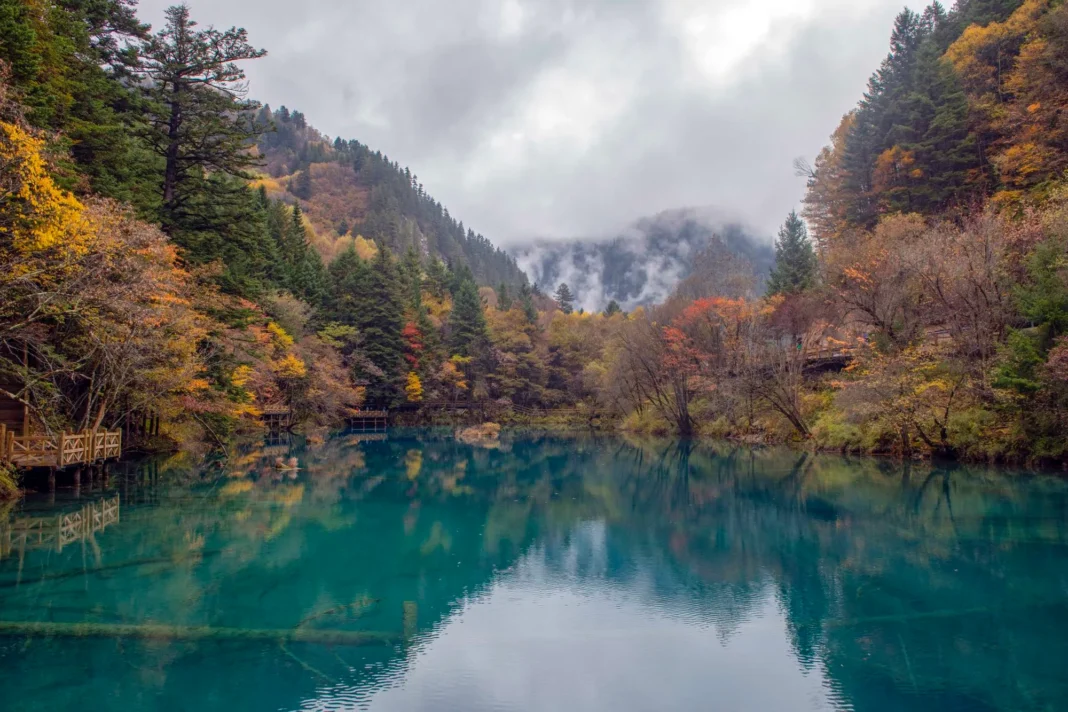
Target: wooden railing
{"points": [[57, 531], [60, 450]]}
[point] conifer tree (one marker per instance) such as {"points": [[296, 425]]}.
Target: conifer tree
{"points": [[302, 185], [504, 299], [198, 118], [612, 308], [467, 322], [565, 299], [526, 302], [411, 273], [436, 277], [367, 295], [795, 260], [380, 318]]}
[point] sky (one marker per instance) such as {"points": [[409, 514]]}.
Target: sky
{"points": [[549, 119]]}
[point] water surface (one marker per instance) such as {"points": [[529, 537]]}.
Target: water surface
{"points": [[549, 573]]}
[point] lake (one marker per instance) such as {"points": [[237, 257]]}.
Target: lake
{"points": [[549, 572]]}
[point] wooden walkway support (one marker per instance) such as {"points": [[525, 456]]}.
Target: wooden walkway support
{"points": [[58, 530], [61, 450], [372, 420], [277, 417]]}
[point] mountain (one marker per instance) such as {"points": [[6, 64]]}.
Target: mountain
{"points": [[646, 262], [347, 190]]}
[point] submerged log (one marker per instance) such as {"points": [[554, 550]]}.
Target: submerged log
{"points": [[195, 633]]}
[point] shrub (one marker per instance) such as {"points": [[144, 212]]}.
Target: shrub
{"points": [[9, 483]]}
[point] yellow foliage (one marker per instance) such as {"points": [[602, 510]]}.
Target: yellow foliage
{"points": [[241, 376], [437, 308], [413, 462], [281, 338], [451, 373], [970, 54], [366, 249], [289, 366], [197, 385], [236, 487], [35, 214], [414, 388], [273, 186]]}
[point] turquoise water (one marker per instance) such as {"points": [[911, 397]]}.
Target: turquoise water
{"points": [[549, 573]]}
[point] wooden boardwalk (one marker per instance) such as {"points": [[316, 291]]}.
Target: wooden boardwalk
{"points": [[56, 531], [59, 451], [277, 417], [373, 420]]}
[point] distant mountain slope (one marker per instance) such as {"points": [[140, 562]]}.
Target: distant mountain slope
{"points": [[643, 265], [346, 189]]}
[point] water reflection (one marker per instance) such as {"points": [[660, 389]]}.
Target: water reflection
{"points": [[414, 572]]}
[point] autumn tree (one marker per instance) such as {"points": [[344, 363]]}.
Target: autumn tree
{"points": [[827, 199], [875, 280], [913, 391], [658, 368], [413, 388]]}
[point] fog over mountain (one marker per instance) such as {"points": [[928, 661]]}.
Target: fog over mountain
{"points": [[643, 263]]}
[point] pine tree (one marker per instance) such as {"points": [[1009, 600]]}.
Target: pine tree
{"points": [[314, 278], [367, 295], [436, 277], [526, 302], [565, 299], [613, 308], [198, 117], [302, 185], [795, 260], [504, 299], [467, 322], [411, 273]]}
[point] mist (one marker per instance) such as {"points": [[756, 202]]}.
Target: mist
{"points": [[643, 263]]}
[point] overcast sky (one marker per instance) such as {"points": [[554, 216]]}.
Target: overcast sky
{"points": [[564, 118]]}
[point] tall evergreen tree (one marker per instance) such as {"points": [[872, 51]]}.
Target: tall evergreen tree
{"points": [[565, 299], [613, 308], [504, 299], [198, 120], [302, 185], [526, 302], [467, 321], [367, 295], [411, 274], [230, 228], [795, 260]]}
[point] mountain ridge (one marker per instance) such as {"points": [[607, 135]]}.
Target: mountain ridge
{"points": [[643, 263], [346, 190]]}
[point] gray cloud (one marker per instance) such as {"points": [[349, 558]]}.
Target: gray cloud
{"points": [[554, 118]]}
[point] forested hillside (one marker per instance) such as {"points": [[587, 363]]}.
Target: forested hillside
{"points": [[968, 106], [349, 191], [149, 267]]}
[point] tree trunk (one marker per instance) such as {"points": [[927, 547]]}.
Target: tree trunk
{"points": [[170, 175]]}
